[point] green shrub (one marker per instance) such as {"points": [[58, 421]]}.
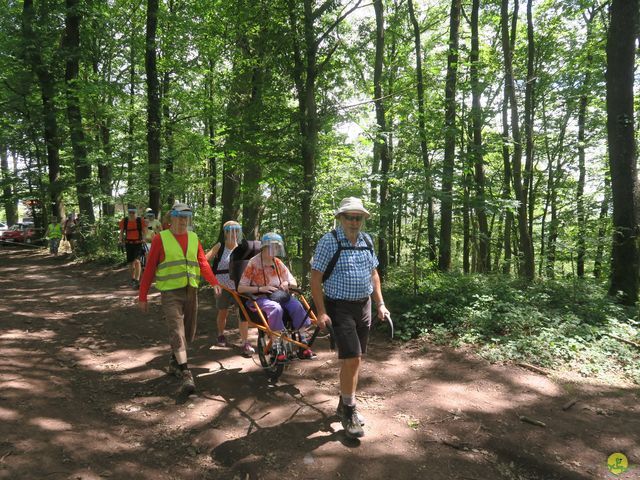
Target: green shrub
{"points": [[553, 323]]}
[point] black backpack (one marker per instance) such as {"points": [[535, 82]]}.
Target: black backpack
{"points": [[138, 223], [332, 263], [240, 258]]}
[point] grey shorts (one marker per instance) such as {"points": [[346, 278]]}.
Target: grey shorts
{"points": [[351, 322], [224, 300]]}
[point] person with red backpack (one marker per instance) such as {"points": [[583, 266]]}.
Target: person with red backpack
{"points": [[131, 236]]}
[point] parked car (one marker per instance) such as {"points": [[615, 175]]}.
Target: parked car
{"points": [[20, 233], [3, 227]]}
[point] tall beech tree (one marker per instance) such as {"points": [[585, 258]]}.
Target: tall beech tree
{"points": [[527, 266], [621, 51], [48, 92], [154, 121], [446, 207], [71, 47], [422, 131], [312, 50], [483, 263]]}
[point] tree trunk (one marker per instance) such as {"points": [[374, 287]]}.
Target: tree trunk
{"points": [[527, 267], [446, 209], [153, 106], [105, 168], [252, 206], [211, 134], [380, 145], [170, 154], [230, 193], [602, 228], [529, 116], [47, 85], [622, 149], [71, 45], [506, 186], [582, 113], [484, 239], [10, 207], [431, 234]]}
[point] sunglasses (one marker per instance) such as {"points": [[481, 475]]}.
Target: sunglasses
{"points": [[353, 218]]}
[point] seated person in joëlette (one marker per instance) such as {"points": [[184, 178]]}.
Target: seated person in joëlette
{"points": [[268, 278]]}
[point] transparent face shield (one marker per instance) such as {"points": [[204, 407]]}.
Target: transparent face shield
{"points": [[179, 216], [275, 249], [233, 233]]}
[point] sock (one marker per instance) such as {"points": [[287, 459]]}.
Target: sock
{"points": [[183, 367], [349, 400]]}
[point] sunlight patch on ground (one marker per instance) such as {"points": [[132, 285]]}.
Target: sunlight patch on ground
{"points": [[19, 334], [7, 414], [85, 440], [539, 384], [50, 424], [446, 395]]}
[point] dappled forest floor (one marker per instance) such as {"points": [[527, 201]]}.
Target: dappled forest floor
{"points": [[84, 395]]}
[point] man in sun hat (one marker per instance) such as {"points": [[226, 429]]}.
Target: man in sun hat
{"points": [[176, 261], [344, 261]]}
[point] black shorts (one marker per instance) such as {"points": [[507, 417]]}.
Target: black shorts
{"points": [[351, 323], [134, 251]]}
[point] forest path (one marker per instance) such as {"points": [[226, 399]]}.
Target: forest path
{"points": [[84, 395]]}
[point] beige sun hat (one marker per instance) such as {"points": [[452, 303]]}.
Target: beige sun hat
{"points": [[351, 204]]}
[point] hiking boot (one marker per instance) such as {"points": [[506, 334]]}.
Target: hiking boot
{"points": [[340, 411], [306, 354], [222, 341], [350, 423], [188, 385], [247, 349], [135, 284], [173, 368]]}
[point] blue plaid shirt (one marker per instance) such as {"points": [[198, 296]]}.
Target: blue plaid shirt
{"points": [[351, 277]]}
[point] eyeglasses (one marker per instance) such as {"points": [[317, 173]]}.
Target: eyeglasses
{"points": [[353, 218]]}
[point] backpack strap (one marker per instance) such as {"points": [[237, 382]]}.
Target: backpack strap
{"points": [[216, 261], [334, 260]]}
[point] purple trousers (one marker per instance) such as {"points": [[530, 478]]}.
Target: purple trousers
{"points": [[274, 312]]}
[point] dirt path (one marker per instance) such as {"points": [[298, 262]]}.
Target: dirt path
{"points": [[83, 395]]}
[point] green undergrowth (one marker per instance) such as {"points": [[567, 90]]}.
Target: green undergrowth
{"points": [[565, 324]]}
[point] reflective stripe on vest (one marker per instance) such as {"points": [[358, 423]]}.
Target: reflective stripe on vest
{"points": [[176, 271]]}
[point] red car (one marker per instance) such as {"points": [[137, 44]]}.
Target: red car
{"points": [[20, 233]]}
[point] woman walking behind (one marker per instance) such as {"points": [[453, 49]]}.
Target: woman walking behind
{"points": [[220, 254]]}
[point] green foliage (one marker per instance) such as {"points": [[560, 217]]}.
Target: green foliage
{"points": [[100, 241], [562, 324]]}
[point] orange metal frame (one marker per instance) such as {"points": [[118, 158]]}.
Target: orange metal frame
{"points": [[264, 325]]}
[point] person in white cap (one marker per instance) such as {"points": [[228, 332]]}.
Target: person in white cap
{"points": [[343, 280], [177, 261]]}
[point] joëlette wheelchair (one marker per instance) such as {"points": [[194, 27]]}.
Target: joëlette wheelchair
{"points": [[286, 343]]}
